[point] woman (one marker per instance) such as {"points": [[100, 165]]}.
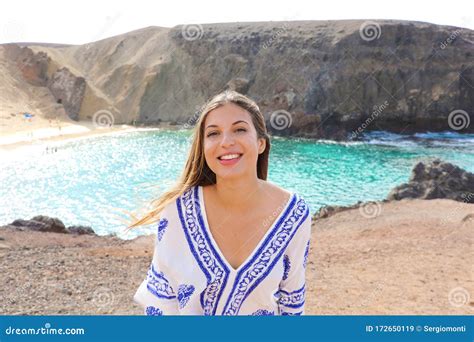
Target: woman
{"points": [[228, 242]]}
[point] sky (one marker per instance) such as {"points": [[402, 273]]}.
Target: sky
{"points": [[84, 21]]}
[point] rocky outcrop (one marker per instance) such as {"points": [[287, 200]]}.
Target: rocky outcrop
{"points": [[433, 180], [437, 179], [317, 79], [49, 224], [68, 90], [35, 67], [331, 79], [32, 66]]}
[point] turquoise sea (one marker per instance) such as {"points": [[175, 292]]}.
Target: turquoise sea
{"points": [[93, 181]]}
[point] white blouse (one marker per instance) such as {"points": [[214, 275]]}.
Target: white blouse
{"points": [[190, 276]]}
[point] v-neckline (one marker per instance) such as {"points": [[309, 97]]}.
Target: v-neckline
{"points": [[202, 210]]}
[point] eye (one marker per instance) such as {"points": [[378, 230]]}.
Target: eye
{"points": [[211, 134], [241, 130]]}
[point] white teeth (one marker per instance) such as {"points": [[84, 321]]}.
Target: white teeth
{"points": [[230, 156]]}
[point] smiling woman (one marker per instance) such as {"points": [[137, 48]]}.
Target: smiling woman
{"points": [[228, 241]]}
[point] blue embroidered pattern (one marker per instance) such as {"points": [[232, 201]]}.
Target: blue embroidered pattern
{"points": [[306, 252], [284, 313], [162, 225], [153, 311], [286, 266], [158, 285], [262, 312], [211, 264], [294, 299], [184, 292], [268, 254]]}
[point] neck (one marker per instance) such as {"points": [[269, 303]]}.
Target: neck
{"points": [[238, 194]]}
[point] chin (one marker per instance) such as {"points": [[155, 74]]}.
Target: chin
{"points": [[230, 174]]}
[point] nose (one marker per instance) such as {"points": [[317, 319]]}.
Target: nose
{"points": [[227, 140]]}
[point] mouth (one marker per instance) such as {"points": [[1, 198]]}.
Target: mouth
{"points": [[229, 159]]}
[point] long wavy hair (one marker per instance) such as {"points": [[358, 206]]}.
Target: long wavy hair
{"points": [[197, 172]]}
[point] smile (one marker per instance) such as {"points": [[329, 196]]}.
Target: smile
{"points": [[230, 159]]}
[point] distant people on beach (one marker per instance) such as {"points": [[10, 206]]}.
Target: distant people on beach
{"points": [[50, 150]]}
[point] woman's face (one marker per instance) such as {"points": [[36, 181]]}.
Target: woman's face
{"points": [[231, 147]]}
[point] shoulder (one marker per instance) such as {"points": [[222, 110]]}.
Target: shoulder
{"points": [[276, 191], [287, 195]]}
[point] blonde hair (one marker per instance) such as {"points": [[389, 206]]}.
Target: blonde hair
{"points": [[197, 172]]}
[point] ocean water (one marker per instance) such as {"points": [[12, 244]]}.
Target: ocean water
{"points": [[97, 181]]}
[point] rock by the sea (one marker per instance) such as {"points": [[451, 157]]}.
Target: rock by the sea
{"points": [[430, 180], [49, 224], [437, 179], [81, 230]]}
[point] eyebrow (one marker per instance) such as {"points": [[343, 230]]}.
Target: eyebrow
{"points": [[235, 123]]}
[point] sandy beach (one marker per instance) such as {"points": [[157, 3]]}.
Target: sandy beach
{"points": [[414, 258], [23, 132]]}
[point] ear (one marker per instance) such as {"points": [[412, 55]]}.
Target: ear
{"points": [[262, 144]]}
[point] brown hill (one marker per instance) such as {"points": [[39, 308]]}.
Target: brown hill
{"points": [[330, 76]]}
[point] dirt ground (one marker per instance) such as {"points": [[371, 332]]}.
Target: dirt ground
{"points": [[408, 257]]}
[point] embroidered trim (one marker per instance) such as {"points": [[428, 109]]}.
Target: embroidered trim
{"points": [[184, 293], [162, 225], [158, 285], [263, 312], [286, 266], [153, 311], [202, 249], [306, 252], [299, 313], [294, 299], [268, 254]]}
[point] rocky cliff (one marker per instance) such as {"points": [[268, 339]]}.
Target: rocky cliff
{"points": [[319, 79]]}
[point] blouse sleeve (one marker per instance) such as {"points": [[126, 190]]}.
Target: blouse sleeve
{"points": [[156, 294], [292, 287]]}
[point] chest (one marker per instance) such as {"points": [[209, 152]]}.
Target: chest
{"points": [[237, 235]]}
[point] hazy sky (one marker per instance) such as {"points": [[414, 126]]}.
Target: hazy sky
{"points": [[79, 22]]}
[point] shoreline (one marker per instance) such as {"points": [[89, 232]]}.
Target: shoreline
{"points": [[70, 132], [40, 133]]}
